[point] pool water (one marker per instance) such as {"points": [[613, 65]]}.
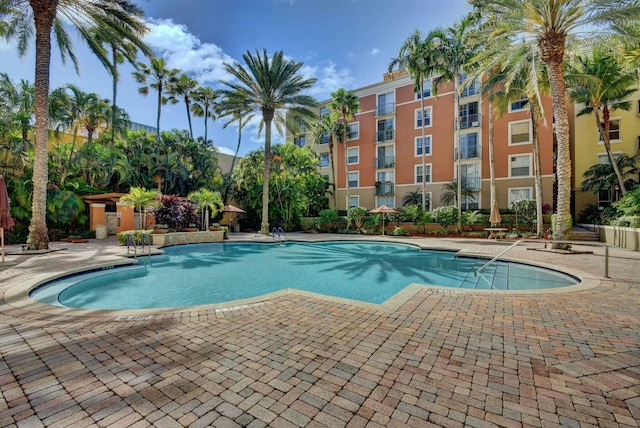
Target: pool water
{"points": [[199, 274]]}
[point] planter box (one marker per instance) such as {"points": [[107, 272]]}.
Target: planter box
{"points": [[180, 238], [624, 237]]}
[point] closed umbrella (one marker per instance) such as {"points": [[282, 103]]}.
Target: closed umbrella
{"points": [[232, 209], [6, 221], [494, 217], [383, 210]]}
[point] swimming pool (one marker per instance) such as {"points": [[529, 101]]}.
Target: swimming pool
{"points": [[198, 274]]}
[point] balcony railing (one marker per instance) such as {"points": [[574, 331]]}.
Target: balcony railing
{"points": [[384, 188], [385, 162], [469, 120], [385, 135], [384, 109], [469, 152]]}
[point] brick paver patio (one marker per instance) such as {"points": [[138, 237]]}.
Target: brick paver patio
{"points": [[445, 357]]}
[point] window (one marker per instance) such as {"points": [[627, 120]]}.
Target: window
{"points": [[387, 200], [469, 147], [324, 160], [468, 87], [354, 201], [384, 183], [353, 154], [614, 130], [299, 141], [604, 198], [521, 104], [470, 174], [520, 132], [324, 111], [353, 179], [426, 89], [386, 103], [603, 158], [469, 115], [419, 145], [385, 130], [519, 194], [385, 158], [325, 138], [427, 117], [469, 202], [353, 131], [418, 174], [520, 165]]}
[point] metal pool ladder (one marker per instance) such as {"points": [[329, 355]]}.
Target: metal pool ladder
{"points": [[131, 241], [281, 235]]}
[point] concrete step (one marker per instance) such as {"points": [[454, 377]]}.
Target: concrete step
{"points": [[579, 234]]}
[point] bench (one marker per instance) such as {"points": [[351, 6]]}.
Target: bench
{"points": [[494, 231]]}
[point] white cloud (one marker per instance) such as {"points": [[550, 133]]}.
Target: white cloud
{"points": [[185, 51], [375, 51], [329, 79]]}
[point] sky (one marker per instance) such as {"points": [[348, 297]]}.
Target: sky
{"points": [[342, 43]]}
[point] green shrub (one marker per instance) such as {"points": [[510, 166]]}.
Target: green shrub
{"points": [[327, 219], [400, 231], [356, 217], [225, 229], [626, 221], [137, 236], [309, 224], [446, 216]]}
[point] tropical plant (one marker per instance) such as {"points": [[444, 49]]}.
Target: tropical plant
{"points": [[356, 217], [183, 88], [120, 17], [175, 212], [268, 85], [446, 216], [207, 202], [19, 100], [603, 85], [328, 126], [157, 76], [344, 104], [140, 199], [327, 219], [415, 198], [602, 176], [450, 192], [549, 25], [205, 105]]}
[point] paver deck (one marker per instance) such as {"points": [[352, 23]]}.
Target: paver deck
{"points": [[443, 357]]}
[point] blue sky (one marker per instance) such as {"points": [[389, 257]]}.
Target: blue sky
{"points": [[342, 43]]}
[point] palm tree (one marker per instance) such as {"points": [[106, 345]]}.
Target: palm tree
{"points": [[155, 75], [183, 88], [414, 198], [20, 100], [267, 85], [328, 126], [549, 24], [450, 192], [205, 104], [452, 51], [415, 58], [602, 176], [344, 104], [603, 85], [208, 202], [140, 199], [120, 17]]}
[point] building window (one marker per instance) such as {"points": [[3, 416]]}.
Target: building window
{"points": [[614, 130], [469, 146], [385, 130], [353, 131], [385, 158], [354, 201], [469, 87], [519, 194], [521, 104], [603, 158], [353, 179], [427, 117], [469, 202], [426, 89], [325, 138], [299, 141], [426, 145], [386, 104], [470, 174], [418, 174], [469, 115], [604, 198], [324, 160], [520, 132], [387, 200], [520, 165], [324, 111], [353, 154]]}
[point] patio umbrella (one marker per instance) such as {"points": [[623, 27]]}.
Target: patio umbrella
{"points": [[6, 221], [494, 217], [383, 210], [232, 209]]}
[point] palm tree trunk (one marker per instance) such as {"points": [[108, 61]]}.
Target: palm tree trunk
{"points": [[114, 89], [333, 172], [456, 144], [206, 116], [537, 167], [346, 165], [264, 227], [424, 154], [604, 131], [492, 164], [158, 114], [43, 14], [186, 103]]}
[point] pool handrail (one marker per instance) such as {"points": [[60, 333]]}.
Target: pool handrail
{"points": [[131, 240], [553, 241]]}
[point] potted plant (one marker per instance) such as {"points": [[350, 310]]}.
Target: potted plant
{"points": [[160, 229], [214, 227], [190, 228]]}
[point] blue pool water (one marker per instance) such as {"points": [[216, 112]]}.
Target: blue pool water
{"points": [[199, 274]]}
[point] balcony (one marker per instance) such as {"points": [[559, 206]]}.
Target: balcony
{"points": [[385, 109], [469, 152], [384, 188], [471, 89], [385, 135], [385, 162], [469, 120]]}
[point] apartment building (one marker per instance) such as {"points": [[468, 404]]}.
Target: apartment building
{"points": [[588, 150], [384, 149]]}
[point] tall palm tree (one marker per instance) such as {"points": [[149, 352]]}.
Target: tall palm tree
{"points": [[603, 84], [268, 85], [121, 17], [205, 104], [344, 104], [328, 125], [549, 24], [155, 75], [183, 88], [602, 176], [20, 100], [415, 57], [453, 50]]}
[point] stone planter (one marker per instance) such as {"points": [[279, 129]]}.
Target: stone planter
{"points": [[179, 238]]}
